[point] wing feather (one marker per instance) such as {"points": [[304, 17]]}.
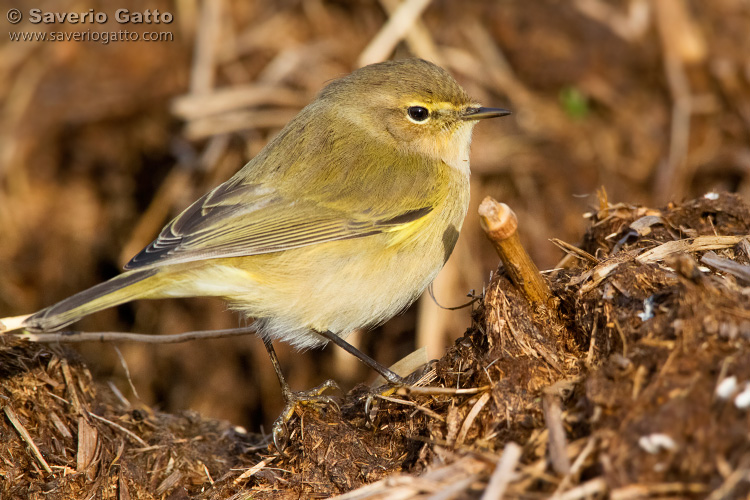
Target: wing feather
{"points": [[244, 220]]}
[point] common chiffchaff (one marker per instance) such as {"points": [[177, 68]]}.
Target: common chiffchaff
{"points": [[339, 223]]}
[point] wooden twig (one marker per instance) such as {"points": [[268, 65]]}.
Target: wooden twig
{"points": [[144, 338], [500, 225]]}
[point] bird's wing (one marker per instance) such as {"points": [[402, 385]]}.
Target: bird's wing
{"points": [[245, 219]]}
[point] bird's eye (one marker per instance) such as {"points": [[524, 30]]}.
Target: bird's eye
{"points": [[418, 113]]}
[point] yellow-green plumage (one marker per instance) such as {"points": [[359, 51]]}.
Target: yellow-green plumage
{"points": [[339, 223]]}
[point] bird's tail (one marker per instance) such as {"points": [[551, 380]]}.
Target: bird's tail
{"points": [[120, 289]]}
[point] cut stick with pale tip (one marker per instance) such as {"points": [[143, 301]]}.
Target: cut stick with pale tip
{"points": [[500, 224], [12, 323]]}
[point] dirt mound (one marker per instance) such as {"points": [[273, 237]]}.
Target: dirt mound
{"points": [[635, 384]]}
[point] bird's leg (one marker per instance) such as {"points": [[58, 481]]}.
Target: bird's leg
{"points": [[394, 380], [387, 374], [293, 399]]}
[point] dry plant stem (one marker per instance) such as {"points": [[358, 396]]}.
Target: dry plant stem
{"points": [[254, 469], [122, 429], [418, 39], [504, 472], [557, 441], [500, 224], [398, 26], [26, 437], [70, 336]]}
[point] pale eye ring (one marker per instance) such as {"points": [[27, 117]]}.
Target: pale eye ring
{"points": [[418, 113]]}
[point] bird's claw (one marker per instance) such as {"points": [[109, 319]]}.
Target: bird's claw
{"points": [[312, 397], [372, 405]]}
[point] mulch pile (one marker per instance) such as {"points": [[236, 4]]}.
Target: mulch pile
{"points": [[634, 382]]}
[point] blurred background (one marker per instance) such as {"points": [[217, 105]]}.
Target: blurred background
{"points": [[101, 144]]}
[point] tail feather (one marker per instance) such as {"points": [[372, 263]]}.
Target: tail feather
{"points": [[102, 296]]}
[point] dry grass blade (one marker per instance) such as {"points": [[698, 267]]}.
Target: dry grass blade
{"points": [[13, 418], [191, 106], [418, 38], [689, 245], [469, 420], [424, 409], [598, 274], [393, 31], [254, 469], [630, 27], [504, 472], [557, 441], [730, 483], [202, 75], [638, 491], [594, 488], [574, 251], [448, 391], [235, 121], [682, 44], [117, 426]]}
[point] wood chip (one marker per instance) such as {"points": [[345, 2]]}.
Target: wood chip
{"points": [[169, 482], [88, 439]]}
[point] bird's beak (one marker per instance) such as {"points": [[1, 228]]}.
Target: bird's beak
{"points": [[482, 113]]}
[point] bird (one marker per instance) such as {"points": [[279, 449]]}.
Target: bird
{"points": [[339, 223]]}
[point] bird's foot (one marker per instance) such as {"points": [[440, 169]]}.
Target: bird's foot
{"points": [[313, 397], [378, 394]]}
